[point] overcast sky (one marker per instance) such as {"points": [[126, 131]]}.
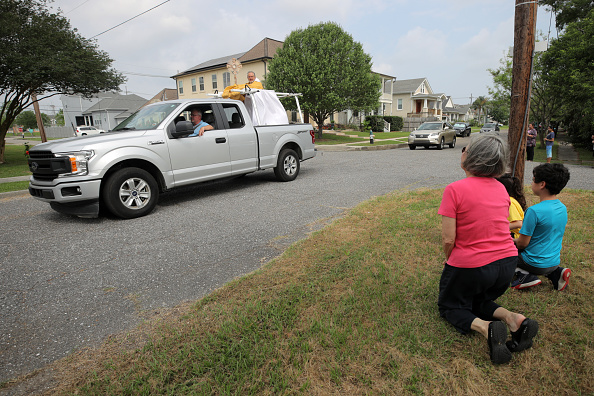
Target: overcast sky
{"points": [[451, 42]]}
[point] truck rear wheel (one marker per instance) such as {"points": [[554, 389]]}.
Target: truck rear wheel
{"points": [[130, 193], [287, 165]]}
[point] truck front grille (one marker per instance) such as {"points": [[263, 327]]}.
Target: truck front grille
{"points": [[46, 166]]}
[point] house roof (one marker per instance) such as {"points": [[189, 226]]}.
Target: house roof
{"points": [[407, 86], [117, 102], [264, 49], [163, 95], [458, 109]]}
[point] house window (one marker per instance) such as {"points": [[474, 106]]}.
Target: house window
{"points": [[226, 79], [201, 81], [180, 84], [399, 104], [214, 81], [423, 88], [193, 85]]}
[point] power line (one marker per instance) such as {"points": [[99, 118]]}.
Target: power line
{"points": [[150, 9], [143, 74], [77, 6]]}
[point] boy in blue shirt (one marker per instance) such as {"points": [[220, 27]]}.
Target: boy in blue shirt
{"points": [[541, 235]]}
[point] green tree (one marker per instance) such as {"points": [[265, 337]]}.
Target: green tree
{"points": [[60, 118], [38, 49], [568, 67], [500, 101], [480, 104], [567, 11], [28, 120], [544, 101], [330, 69]]}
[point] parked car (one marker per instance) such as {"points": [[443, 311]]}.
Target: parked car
{"points": [[462, 129], [88, 130], [435, 133], [490, 127]]}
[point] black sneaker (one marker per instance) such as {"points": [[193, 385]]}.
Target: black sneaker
{"points": [[498, 351], [522, 338], [525, 281], [560, 278]]}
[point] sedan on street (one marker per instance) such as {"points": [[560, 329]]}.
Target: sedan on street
{"points": [[462, 129], [490, 127], [434, 133]]}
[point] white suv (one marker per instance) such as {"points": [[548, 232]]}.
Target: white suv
{"points": [[88, 130]]}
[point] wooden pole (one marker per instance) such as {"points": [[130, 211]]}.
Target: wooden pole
{"points": [[524, 36], [39, 120]]}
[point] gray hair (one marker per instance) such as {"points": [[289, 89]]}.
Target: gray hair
{"points": [[486, 156], [251, 72], [196, 111]]}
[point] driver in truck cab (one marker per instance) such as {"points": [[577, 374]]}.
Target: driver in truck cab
{"points": [[199, 126]]}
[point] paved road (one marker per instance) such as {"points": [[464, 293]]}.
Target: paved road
{"points": [[67, 283]]}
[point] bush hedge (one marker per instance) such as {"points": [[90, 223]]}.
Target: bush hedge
{"points": [[396, 122], [376, 122]]}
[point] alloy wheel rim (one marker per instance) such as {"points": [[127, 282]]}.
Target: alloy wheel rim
{"points": [[290, 165], [135, 193]]}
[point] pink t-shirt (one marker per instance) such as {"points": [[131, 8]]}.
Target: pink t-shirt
{"points": [[480, 206]]}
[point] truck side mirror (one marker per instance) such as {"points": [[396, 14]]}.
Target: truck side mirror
{"points": [[182, 129]]}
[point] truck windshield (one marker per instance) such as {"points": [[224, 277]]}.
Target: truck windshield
{"points": [[148, 117]]}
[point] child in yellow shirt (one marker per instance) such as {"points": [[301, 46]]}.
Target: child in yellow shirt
{"points": [[517, 205]]}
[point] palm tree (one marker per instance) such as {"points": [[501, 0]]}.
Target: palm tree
{"points": [[479, 104]]}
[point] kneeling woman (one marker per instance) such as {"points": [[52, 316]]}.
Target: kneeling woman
{"points": [[480, 254]]}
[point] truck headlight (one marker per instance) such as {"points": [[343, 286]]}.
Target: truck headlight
{"points": [[79, 161]]}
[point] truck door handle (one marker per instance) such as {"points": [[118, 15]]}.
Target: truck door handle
{"points": [[220, 140]]}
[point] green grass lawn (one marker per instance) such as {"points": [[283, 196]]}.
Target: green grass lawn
{"points": [[328, 138], [352, 310], [15, 162], [14, 186]]}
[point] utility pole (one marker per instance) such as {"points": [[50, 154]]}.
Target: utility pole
{"points": [[39, 119], [524, 37]]}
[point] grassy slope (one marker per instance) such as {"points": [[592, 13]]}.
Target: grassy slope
{"points": [[352, 310]]}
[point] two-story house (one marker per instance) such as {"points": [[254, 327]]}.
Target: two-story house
{"points": [[415, 98], [213, 76]]}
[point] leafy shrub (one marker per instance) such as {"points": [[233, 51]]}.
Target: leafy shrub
{"points": [[376, 123], [396, 122]]}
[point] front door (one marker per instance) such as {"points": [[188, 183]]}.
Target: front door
{"points": [[200, 158]]}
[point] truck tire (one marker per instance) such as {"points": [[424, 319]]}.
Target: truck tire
{"points": [[130, 193], [287, 165], [412, 146]]}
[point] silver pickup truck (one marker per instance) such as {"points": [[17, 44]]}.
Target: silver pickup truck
{"points": [[124, 170]]}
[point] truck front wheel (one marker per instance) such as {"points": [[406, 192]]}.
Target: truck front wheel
{"points": [[130, 193], [287, 165]]}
